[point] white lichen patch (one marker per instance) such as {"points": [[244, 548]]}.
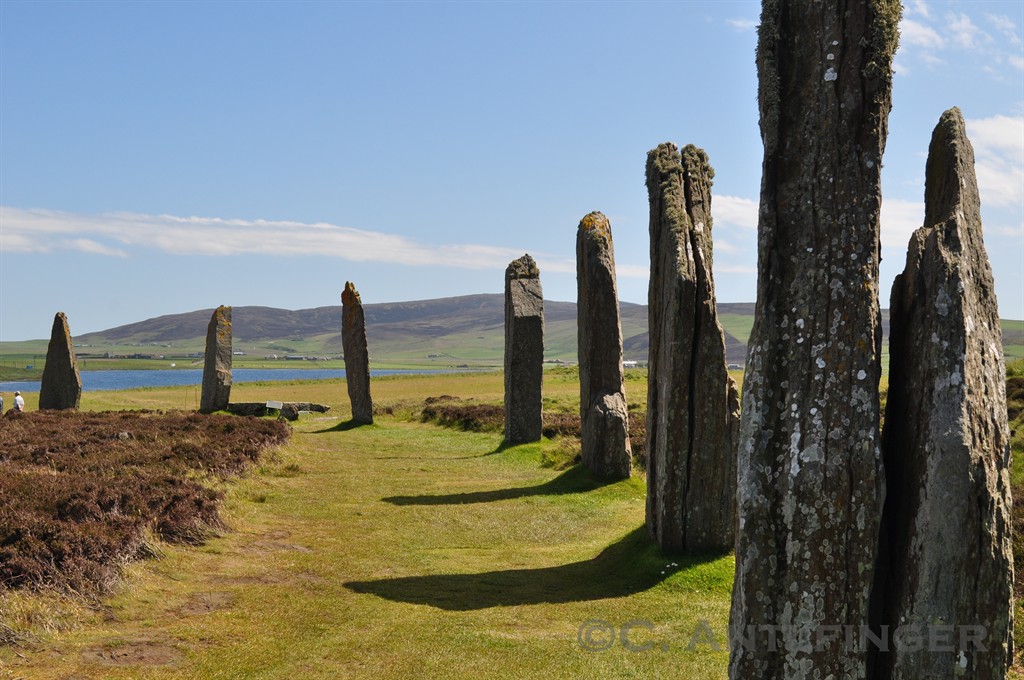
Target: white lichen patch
{"points": [[942, 301], [861, 374], [831, 75], [794, 452]]}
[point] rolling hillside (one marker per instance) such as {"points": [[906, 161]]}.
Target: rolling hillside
{"points": [[460, 330]]}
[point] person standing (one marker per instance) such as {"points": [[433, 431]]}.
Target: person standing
{"points": [[19, 402]]}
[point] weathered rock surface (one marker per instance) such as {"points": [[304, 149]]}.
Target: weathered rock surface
{"points": [[259, 408], [217, 363], [947, 556], [605, 422], [810, 482], [692, 403], [524, 351], [357, 357], [61, 386]]}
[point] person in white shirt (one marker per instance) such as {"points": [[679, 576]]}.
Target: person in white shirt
{"points": [[19, 402]]}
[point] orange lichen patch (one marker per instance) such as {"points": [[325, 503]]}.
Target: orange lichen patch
{"points": [[350, 295], [595, 222]]}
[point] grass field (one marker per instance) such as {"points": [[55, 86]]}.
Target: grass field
{"points": [[396, 550]]}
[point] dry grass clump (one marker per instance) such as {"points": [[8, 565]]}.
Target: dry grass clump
{"points": [[81, 491]]}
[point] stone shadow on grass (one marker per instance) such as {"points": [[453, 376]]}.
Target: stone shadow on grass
{"points": [[630, 565], [577, 479], [343, 426]]}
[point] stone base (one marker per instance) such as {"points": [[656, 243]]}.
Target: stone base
{"points": [[289, 410]]}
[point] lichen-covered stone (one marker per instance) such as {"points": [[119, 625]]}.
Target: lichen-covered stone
{"points": [[810, 482], [524, 351], [216, 392], [692, 403], [947, 556], [357, 356], [61, 386], [605, 422]]}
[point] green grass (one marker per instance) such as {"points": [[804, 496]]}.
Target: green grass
{"points": [[400, 550], [737, 325], [396, 550]]}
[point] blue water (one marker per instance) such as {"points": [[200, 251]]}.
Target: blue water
{"points": [[123, 380]]}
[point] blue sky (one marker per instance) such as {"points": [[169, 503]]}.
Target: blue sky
{"points": [[162, 157]]}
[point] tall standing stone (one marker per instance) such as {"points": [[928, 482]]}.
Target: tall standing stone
{"points": [[217, 363], [357, 357], [524, 351], [61, 387], [605, 420], [692, 403], [810, 482], [947, 555]]}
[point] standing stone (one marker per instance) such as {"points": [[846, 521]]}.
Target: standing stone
{"points": [[692, 403], [524, 351], [61, 387], [947, 556], [357, 357], [605, 421], [810, 483], [217, 364]]}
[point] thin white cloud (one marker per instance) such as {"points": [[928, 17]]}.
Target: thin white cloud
{"points": [[965, 33], [998, 144], [735, 210], [122, 234], [918, 7], [919, 35], [86, 245], [733, 269], [899, 219], [637, 271], [1006, 26], [922, 39], [742, 24], [1012, 232], [722, 246]]}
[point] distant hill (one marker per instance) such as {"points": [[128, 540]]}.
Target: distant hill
{"points": [[467, 329]]}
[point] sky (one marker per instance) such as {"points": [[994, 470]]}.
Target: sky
{"points": [[163, 157]]}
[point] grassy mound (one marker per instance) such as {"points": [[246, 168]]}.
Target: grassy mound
{"points": [[470, 416], [82, 490]]}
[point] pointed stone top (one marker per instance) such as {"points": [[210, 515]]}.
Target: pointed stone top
{"points": [[523, 268], [61, 331], [350, 295], [60, 320], [950, 182]]}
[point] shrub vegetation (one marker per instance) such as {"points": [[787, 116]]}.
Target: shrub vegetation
{"points": [[83, 491]]}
